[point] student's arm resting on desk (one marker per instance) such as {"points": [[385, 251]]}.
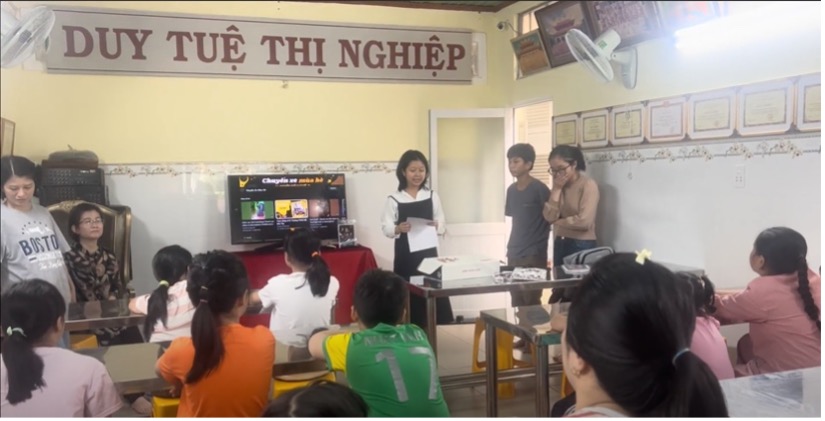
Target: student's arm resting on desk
{"points": [[745, 306], [331, 347]]}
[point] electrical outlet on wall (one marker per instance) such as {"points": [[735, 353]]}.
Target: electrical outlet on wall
{"points": [[739, 177]]}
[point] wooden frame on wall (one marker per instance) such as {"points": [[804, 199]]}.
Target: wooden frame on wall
{"points": [[808, 115], [6, 137], [634, 21], [554, 21]]}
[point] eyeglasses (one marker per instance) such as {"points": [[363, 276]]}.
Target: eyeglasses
{"points": [[558, 171], [87, 221]]}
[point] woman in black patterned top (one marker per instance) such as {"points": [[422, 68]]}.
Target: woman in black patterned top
{"points": [[94, 270]]}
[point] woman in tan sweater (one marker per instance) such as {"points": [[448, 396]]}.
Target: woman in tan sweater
{"points": [[572, 205]]}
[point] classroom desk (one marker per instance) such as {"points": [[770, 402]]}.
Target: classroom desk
{"points": [[132, 366], [100, 314], [789, 394], [532, 324], [556, 278]]}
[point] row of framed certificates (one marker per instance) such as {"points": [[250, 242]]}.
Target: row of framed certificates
{"points": [[763, 109]]}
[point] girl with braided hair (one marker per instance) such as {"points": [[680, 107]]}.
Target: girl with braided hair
{"points": [[782, 306]]}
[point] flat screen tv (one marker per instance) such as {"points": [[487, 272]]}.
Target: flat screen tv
{"points": [[264, 208]]}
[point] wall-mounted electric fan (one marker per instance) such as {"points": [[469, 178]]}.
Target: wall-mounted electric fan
{"points": [[597, 55], [23, 35]]}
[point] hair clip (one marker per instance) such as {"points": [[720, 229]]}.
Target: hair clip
{"points": [[10, 331], [164, 283], [315, 254], [204, 301], [643, 255]]}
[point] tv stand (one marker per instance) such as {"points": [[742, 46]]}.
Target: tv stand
{"points": [[270, 248]]}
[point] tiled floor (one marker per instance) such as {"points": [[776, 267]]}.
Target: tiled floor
{"points": [[455, 345]]}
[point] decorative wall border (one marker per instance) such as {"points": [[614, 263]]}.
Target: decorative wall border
{"points": [[794, 146], [219, 168]]}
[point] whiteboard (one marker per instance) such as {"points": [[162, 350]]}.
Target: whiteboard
{"points": [[186, 204]]}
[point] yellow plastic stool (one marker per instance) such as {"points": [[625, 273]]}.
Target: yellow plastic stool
{"points": [[165, 407], [284, 384], [83, 341], [504, 354]]}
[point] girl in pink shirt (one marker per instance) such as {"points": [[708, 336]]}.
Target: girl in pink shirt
{"points": [[708, 343], [38, 379], [168, 309], [782, 306]]}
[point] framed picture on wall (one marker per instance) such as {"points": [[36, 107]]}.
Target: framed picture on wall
{"points": [[634, 21], [712, 115], [676, 15], [595, 128], [766, 108], [808, 103], [627, 124], [666, 120], [556, 20], [566, 129], [530, 53], [6, 137]]}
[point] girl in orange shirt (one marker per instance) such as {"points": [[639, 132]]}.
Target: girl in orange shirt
{"points": [[224, 369]]}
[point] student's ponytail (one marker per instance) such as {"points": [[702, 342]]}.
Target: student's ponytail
{"points": [[637, 343], [217, 281], [805, 292], [169, 266], [694, 391], [784, 251], [303, 247], [30, 310], [318, 276]]}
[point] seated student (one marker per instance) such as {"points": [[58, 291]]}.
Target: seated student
{"points": [[168, 308], [320, 399], [782, 306], [224, 369], [38, 379], [625, 345], [707, 343], [302, 300], [390, 365]]}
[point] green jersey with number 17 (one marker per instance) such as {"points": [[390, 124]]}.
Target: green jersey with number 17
{"points": [[392, 367]]}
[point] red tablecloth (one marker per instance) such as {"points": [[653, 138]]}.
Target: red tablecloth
{"points": [[347, 264]]}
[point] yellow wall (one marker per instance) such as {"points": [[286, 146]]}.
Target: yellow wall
{"points": [[130, 119], [663, 71]]}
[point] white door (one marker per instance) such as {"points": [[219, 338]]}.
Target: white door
{"points": [[468, 154]]}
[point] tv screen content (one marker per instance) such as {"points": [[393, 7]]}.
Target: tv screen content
{"points": [[264, 208]]}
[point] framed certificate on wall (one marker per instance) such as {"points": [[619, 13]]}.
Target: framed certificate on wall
{"points": [[666, 120], [595, 129], [566, 130], [627, 123], [808, 103], [712, 115], [766, 108]]}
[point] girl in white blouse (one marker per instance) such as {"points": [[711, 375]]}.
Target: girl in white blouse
{"points": [[414, 200]]}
